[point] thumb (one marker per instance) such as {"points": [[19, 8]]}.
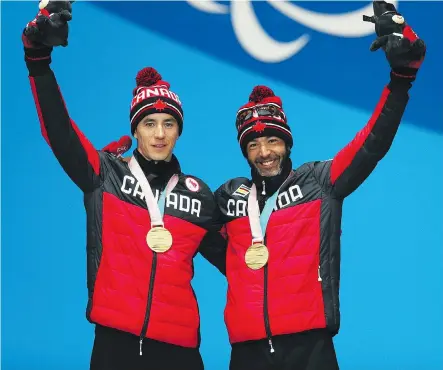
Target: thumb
{"points": [[379, 42]]}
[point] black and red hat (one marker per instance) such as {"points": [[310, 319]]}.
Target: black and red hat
{"points": [[263, 115], [152, 95]]}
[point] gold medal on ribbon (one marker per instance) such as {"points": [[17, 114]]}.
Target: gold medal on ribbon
{"points": [[159, 239], [257, 256]]}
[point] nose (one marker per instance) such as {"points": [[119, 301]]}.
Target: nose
{"points": [[264, 151], [159, 132]]}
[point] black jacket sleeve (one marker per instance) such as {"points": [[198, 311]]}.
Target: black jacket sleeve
{"points": [[213, 249], [355, 162], [72, 149], [213, 245]]}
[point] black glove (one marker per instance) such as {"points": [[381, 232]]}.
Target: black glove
{"points": [[404, 51], [48, 29]]}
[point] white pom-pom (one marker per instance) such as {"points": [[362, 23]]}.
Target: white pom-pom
{"points": [[43, 4]]}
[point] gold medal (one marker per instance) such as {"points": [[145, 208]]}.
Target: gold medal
{"points": [[159, 239], [257, 256]]}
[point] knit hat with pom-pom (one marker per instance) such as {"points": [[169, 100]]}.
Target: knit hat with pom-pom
{"points": [[152, 95], [263, 115]]}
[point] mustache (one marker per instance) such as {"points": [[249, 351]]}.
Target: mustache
{"points": [[271, 157]]}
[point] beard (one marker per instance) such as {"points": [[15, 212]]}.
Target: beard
{"points": [[275, 166]]}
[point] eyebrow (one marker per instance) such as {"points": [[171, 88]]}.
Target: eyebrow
{"points": [[166, 120]]}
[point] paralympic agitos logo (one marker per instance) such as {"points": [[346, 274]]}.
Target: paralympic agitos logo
{"points": [[256, 41]]}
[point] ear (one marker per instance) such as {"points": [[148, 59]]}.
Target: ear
{"points": [[288, 151], [135, 134]]}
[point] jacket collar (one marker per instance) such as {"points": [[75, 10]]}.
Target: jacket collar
{"points": [[158, 173]]}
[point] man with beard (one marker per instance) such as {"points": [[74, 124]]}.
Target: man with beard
{"points": [[283, 225]]}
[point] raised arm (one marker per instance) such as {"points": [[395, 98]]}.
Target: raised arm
{"points": [[355, 162], [74, 152], [405, 53]]}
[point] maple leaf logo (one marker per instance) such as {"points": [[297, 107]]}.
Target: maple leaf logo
{"points": [[159, 105], [259, 126]]}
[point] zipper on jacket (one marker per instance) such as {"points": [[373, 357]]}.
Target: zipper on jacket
{"points": [[265, 309], [261, 203], [319, 275], [149, 302]]}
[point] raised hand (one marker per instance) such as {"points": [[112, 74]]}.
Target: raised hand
{"points": [[50, 26], [404, 50]]}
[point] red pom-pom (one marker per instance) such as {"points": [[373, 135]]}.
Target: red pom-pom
{"points": [[147, 77], [259, 93]]}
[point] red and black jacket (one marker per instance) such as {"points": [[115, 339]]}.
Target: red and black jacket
{"points": [[130, 287], [298, 289]]}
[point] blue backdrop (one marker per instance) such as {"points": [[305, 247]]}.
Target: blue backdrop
{"points": [[213, 54]]}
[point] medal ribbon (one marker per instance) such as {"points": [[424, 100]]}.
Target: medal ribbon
{"points": [[259, 222], [156, 211]]}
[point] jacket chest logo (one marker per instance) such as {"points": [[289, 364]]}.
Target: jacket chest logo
{"points": [[174, 200], [239, 207]]}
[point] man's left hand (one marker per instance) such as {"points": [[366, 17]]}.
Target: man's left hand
{"points": [[118, 148], [404, 50]]}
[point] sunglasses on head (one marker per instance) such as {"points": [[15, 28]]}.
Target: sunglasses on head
{"points": [[262, 111]]}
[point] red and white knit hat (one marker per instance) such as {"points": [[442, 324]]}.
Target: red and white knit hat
{"points": [[152, 95], [263, 115]]}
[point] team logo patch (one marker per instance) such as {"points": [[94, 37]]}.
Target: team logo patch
{"points": [[192, 184], [242, 191]]}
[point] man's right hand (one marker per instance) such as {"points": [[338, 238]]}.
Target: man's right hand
{"points": [[50, 27]]}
